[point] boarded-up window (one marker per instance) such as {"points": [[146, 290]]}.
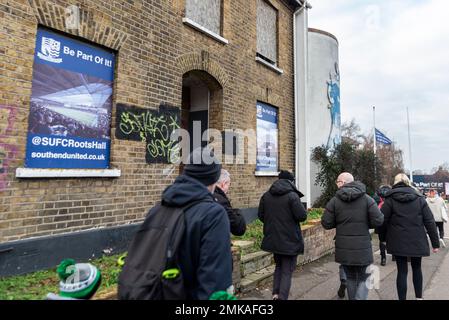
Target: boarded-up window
{"points": [[266, 31], [206, 13]]}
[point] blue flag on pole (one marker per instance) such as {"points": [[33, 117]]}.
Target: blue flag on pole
{"points": [[381, 138]]}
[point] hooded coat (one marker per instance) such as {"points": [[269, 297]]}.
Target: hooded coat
{"points": [[236, 220], [407, 217], [352, 212], [205, 252], [436, 205], [281, 211]]}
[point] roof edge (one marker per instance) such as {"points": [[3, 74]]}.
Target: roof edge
{"points": [[324, 33], [295, 4]]}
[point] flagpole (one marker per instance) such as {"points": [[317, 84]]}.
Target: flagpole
{"points": [[409, 147], [374, 145], [374, 130]]}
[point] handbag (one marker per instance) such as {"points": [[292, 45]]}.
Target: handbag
{"points": [[444, 214]]}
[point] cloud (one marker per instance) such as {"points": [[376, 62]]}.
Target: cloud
{"points": [[393, 55]]}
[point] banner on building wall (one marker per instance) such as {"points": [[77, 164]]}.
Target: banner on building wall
{"points": [[71, 102], [426, 182], [267, 139], [446, 187]]}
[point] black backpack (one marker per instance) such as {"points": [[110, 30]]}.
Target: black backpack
{"points": [[152, 251]]}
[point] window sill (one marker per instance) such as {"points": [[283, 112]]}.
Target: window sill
{"points": [[204, 30], [269, 65], [66, 173], [266, 174]]}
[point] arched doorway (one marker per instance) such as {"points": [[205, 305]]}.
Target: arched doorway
{"points": [[201, 107]]}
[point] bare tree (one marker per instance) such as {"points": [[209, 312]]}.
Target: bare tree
{"points": [[390, 156], [444, 166], [351, 133], [442, 173]]}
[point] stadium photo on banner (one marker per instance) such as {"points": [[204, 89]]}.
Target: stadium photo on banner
{"points": [[66, 103]]}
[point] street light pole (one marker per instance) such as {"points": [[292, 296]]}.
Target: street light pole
{"points": [[374, 130], [409, 147]]}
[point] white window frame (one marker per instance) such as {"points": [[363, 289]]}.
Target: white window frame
{"points": [[195, 25], [198, 27]]}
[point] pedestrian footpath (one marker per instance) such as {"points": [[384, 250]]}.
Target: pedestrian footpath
{"points": [[319, 280]]}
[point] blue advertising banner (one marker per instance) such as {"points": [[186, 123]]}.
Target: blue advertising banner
{"points": [[426, 182], [63, 52], [71, 102], [267, 138]]}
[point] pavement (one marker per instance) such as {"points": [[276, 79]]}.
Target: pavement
{"points": [[319, 280]]}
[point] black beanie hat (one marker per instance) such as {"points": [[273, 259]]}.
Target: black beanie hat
{"points": [[383, 190], [203, 166], [284, 174]]}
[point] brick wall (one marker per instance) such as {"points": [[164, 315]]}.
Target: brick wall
{"points": [[236, 274], [317, 243], [154, 50]]}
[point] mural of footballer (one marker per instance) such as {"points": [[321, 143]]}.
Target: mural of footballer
{"points": [[333, 95]]}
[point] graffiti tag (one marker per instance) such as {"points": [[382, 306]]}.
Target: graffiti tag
{"points": [[154, 127]]}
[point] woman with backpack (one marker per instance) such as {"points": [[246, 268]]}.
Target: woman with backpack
{"points": [[407, 217]]}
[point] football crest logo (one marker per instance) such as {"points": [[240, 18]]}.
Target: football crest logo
{"points": [[259, 111], [50, 49]]}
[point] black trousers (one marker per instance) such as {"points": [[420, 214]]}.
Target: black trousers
{"points": [[401, 280], [285, 265], [440, 226], [383, 249]]}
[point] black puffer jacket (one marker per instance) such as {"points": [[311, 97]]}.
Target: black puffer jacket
{"points": [[407, 217], [236, 220], [352, 212], [281, 211]]}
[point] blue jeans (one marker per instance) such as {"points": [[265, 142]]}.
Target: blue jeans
{"points": [[356, 277]]}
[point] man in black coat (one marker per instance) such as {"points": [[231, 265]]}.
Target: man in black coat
{"points": [[281, 211], [352, 212], [205, 251], [236, 220]]}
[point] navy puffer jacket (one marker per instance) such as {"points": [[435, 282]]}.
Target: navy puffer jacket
{"points": [[205, 253]]}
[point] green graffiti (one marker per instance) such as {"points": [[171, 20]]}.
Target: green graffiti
{"points": [[153, 127], [130, 123]]}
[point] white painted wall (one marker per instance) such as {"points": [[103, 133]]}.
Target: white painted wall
{"points": [[322, 56]]}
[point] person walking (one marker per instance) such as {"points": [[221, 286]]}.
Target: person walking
{"points": [[439, 211], [236, 220], [203, 256], [407, 218], [352, 212], [281, 211], [381, 193], [343, 281]]}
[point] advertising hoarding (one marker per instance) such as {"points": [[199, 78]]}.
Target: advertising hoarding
{"points": [[267, 139], [71, 102]]}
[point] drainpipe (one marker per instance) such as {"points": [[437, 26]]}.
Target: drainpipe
{"points": [[302, 10]]}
